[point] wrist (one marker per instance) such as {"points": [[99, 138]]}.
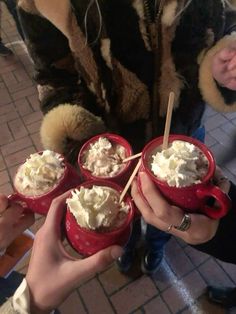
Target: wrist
{"points": [[36, 304]]}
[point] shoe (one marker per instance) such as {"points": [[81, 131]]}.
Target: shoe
{"points": [[4, 51], [224, 296], [125, 262], [151, 262]]}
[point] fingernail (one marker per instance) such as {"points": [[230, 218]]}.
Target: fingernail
{"points": [[117, 252]]}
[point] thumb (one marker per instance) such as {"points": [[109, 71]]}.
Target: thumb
{"points": [[82, 269], [3, 203]]}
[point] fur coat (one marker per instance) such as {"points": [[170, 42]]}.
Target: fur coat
{"points": [[97, 69]]}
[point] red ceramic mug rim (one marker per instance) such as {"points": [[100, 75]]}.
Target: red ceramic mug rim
{"points": [[54, 189], [149, 148], [127, 199], [115, 138]]}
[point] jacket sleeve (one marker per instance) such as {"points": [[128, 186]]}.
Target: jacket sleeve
{"points": [[71, 114], [222, 246], [54, 71], [220, 98], [7, 308]]}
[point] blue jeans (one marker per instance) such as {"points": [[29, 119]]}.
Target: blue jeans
{"points": [[156, 239]]}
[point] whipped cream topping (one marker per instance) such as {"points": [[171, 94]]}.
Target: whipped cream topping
{"points": [[40, 173], [181, 164], [97, 207], [104, 159]]}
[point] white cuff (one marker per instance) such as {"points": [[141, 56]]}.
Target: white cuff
{"points": [[21, 299]]}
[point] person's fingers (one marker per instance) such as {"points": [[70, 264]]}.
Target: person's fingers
{"points": [[55, 214], [232, 64], [141, 203], [13, 213], [162, 209], [82, 269], [151, 193], [232, 73], [24, 222], [226, 54], [3, 203]]}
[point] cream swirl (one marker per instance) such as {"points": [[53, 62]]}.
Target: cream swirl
{"points": [[40, 173], [103, 158], [96, 207], [181, 164]]}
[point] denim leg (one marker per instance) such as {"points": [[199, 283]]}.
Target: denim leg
{"points": [[156, 239], [199, 134], [11, 6], [135, 235]]}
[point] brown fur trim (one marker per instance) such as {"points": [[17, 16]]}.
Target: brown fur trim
{"points": [[86, 63], [138, 5], [63, 18], [233, 2], [169, 80], [68, 121], [67, 63], [131, 92], [106, 51], [169, 13], [207, 84], [28, 6], [44, 91], [57, 12]]}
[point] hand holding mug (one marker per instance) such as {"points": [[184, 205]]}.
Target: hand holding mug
{"points": [[49, 260], [190, 166], [159, 213]]}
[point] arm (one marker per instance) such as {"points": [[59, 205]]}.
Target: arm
{"points": [[40, 293]]}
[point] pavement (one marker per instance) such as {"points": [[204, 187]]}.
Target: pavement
{"points": [[180, 284]]}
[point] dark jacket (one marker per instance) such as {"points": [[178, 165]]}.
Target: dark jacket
{"points": [[118, 79], [222, 246]]}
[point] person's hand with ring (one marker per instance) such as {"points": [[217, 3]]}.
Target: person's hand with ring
{"points": [[192, 228], [13, 221]]}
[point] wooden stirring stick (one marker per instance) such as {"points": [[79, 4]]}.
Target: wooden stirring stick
{"points": [[130, 181], [132, 157], [168, 120]]}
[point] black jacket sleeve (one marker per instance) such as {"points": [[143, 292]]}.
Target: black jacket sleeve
{"points": [[223, 245]]}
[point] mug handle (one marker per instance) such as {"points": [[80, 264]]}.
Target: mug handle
{"points": [[14, 197], [222, 198]]}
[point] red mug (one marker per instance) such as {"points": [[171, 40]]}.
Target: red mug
{"points": [[123, 175], [88, 242], [40, 203], [191, 198]]}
